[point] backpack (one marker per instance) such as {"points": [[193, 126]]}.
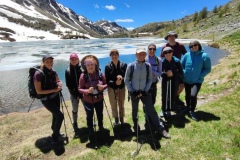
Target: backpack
{"points": [[31, 87], [86, 75]]}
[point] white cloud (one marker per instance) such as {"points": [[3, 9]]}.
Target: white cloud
{"points": [[124, 20], [127, 5], [111, 7], [130, 28], [96, 6]]}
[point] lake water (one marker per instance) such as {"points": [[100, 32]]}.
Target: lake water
{"points": [[17, 57]]}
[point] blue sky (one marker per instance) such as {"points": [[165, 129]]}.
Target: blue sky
{"points": [[136, 13]]}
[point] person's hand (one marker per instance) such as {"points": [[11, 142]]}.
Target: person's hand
{"points": [[100, 88], [119, 80], [169, 73], [90, 90], [143, 93]]}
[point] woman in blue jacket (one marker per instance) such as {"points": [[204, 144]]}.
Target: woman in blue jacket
{"points": [[196, 65]]}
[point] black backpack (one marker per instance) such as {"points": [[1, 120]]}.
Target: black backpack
{"points": [[31, 87]]}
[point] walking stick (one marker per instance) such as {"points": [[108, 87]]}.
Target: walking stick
{"points": [[108, 115], [31, 104], [64, 118], [150, 128]]}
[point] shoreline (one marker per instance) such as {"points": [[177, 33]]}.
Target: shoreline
{"points": [[39, 108]]}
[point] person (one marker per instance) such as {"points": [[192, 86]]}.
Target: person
{"points": [[156, 65], [178, 51], [72, 75], [172, 74], [115, 72], [50, 86], [92, 83], [138, 79], [196, 65]]}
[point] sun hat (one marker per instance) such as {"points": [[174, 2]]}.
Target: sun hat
{"points": [[47, 56], [167, 49], [173, 33], [140, 49], [73, 55], [86, 57]]}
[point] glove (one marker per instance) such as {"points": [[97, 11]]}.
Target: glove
{"points": [[144, 94], [135, 93]]}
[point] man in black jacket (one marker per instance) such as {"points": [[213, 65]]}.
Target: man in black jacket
{"points": [[72, 75], [114, 72]]}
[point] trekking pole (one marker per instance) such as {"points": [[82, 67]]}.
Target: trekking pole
{"points": [[94, 127], [137, 149], [167, 96], [150, 127], [66, 108], [64, 118], [108, 115], [121, 110], [170, 94], [31, 104]]}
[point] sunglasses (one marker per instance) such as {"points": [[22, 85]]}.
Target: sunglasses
{"points": [[167, 52], [152, 49], [195, 45]]}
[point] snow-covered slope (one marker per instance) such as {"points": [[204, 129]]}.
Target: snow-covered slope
{"points": [[47, 19]]}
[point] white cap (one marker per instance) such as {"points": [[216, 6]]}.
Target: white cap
{"points": [[139, 50]]}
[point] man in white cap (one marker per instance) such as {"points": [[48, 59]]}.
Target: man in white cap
{"points": [[72, 75], [178, 51], [138, 79]]}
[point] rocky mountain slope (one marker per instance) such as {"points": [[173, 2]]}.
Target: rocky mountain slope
{"points": [[48, 15], [217, 23]]}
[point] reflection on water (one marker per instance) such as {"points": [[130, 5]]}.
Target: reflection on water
{"points": [[13, 87]]}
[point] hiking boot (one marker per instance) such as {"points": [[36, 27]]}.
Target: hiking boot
{"points": [[121, 120], [179, 101], [164, 133], [101, 128], [75, 127], [116, 123], [193, 116]]}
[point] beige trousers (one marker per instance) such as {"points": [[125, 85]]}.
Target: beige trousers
{"points": [[116, 99]]}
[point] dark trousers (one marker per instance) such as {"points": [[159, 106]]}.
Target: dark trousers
{"points": [[191, 92], [89, 108], [153, 92], [167, 101], [149, 110], [53, 105]]}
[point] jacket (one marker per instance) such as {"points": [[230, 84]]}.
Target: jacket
{"points": [[196, 65], [139, 80], [111, 72], [92, 80], [175, 66], [72, 75], [156, 64]]}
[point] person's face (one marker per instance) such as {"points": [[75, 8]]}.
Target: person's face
{"points": [[74, 61], [151, 51], [90, 65], [194, 47], [171, 38], [141, 56], [168, 55], [114, 56], [48, 63]]}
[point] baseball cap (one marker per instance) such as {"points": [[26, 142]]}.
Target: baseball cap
{"points": [[139, 50], [47, 57], [73, 55]]}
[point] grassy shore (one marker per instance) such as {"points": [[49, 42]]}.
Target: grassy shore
{"points": [[215, 136]]}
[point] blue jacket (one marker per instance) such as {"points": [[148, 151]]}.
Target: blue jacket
{"points": [[196, 65]]}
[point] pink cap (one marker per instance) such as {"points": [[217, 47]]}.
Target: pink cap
{"points": [[73, 55]]}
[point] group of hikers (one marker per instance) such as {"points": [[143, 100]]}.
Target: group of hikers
{"points": [[177, 69]]}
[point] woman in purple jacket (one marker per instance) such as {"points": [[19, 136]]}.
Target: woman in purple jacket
{"points": [[92, 83]]}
